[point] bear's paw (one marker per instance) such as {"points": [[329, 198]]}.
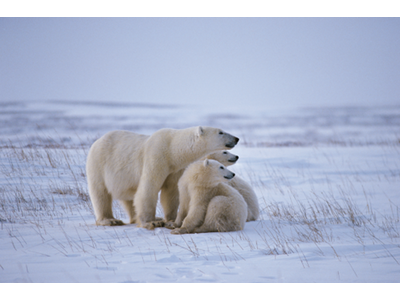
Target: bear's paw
{"points": [[153, 224], [170, 225], [179, 231], [109, 222]]}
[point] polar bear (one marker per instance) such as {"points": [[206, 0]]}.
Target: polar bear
{"points": [[207, 203], [227, 159], [133, 168]]}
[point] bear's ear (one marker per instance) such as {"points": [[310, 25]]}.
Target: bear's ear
{"points": [[206, 162], [200, 131]]}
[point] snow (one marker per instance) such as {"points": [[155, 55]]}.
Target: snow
{"points": [[327, 180]]}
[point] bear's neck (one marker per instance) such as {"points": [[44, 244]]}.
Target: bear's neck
{"points": [[183, 160], [187, 153]]}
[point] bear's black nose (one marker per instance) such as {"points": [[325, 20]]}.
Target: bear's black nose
{"points": [[234, 159], [233, 143]]}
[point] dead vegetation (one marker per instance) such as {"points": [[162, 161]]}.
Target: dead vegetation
{"points": [[46, 187]]}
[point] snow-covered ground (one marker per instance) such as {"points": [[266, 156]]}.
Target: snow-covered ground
{"points": [[327, 180]]}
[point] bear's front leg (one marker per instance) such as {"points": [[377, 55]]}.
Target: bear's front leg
{"points": [[196, 215], [184, 200], [146, 201]]}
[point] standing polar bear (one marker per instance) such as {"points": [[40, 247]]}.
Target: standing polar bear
{"points": [[227, 159], [207, 203], [133, 168]]}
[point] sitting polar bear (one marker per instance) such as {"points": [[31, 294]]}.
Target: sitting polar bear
{"points": [[227, 159], [207, 203], [133, 168]]}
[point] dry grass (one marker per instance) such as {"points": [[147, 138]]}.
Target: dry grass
{"points": [[45, 186], [326, 215], [34, 177]]}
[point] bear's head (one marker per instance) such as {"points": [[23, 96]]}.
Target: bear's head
{"points": [[214, 139], [224, 157], [206, 173], [216, 171]]}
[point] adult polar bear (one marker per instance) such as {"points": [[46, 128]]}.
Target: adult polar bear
{"points": [[133, 168]]}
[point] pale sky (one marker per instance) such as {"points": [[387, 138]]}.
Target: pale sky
{"points": [[259, 61]]}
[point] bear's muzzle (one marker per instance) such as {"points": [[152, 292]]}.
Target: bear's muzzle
{"points": [[232, 143], [230, 176]]}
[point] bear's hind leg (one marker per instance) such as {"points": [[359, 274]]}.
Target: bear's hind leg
{"points": [[102, 204], [130, 210]]}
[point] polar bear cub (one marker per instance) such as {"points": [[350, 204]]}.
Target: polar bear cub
{"points": [[227, 159], [207, 203], [133, 168]]}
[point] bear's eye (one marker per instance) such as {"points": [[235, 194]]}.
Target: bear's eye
{"points": [[224, 152], [221, 167], [221, 132]]}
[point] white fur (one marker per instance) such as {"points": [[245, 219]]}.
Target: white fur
{"points": [[133, 168], [207, 203], [226, 158]]}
